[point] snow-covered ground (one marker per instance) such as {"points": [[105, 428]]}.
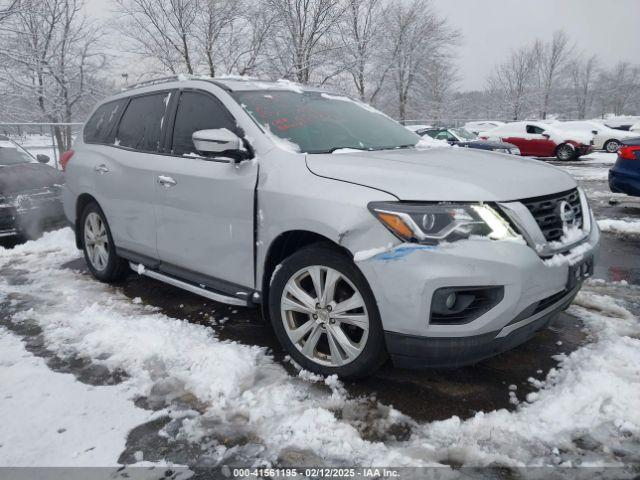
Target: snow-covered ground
{"points": [[235, 402]]}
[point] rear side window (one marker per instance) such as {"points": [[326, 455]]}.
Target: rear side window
{"points": [[198, 111], [142, 124], [99, 128]]}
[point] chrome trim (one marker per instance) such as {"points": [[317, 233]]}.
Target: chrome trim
{"points": [[203, 292]]}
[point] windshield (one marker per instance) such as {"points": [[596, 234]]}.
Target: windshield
{"points": [[12, 154], [464, 134], [320, 123]]}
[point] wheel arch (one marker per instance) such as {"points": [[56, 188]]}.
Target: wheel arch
{"points": [[81, 203], [282, 247]]}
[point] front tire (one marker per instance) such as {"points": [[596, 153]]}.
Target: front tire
{"points": [[325, 315], [611, 146], [99, 249], [565, 152]]}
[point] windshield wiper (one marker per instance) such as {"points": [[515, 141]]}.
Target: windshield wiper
{"points": [[331, 150]]}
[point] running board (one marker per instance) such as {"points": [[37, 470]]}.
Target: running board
{"points": [[203, 292]]}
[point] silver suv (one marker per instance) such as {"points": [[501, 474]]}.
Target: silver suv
{"points": [[359, 241]]}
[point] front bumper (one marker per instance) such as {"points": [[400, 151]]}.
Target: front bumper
{"points": [[405, 279], [31, 218], [408, 351]]}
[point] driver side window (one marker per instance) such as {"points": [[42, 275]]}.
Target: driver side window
{"points": [[198, 111], [534, 130]]}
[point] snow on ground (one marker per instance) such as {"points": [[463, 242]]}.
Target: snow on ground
{"points": [[586, 174], [52, 419], [598, 158], [631, 227], [208, 386]]}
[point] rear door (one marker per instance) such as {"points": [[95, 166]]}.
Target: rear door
{"points": [[126, 177], [205, 206]]}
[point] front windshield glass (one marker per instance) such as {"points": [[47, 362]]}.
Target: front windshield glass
{"points": [[464, 134], [12, 154], [320, 123]]}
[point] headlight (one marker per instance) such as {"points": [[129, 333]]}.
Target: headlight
{"points": [[515, 151], [433, 222], [501, 150]]}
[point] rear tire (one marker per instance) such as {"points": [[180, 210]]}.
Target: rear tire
{"points": [[98, 247], [565, 152], [611, 146], [320, 331]]}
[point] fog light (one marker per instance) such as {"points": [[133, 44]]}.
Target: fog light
{"points": [[451, 300]]}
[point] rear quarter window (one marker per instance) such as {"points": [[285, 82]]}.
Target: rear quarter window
{"points": [[100, 127]]}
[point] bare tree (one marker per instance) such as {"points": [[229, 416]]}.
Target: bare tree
{"points": [[513, 79], [418, 39], [551, 58], [213, 18], [244, 48], [8, 9], [619, 86], [48, 57], [302, 34], [582, 74], [161, 29], [361, 36]]}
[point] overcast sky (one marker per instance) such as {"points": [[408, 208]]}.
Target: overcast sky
{"points": [[491, 28]]}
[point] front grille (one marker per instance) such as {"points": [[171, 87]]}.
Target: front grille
{"points": [[546, 211]]}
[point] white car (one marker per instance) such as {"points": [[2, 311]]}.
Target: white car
{"points": [[482, 126], [635, 128], [604, 138]]}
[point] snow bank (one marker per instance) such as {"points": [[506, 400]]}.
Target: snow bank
{"points": [[620, 226]]}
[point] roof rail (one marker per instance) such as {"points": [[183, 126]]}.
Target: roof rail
{"points": [[155, 81]]}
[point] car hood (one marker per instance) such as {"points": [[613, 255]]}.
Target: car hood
{"points": [[28, 176], [444, 174]]}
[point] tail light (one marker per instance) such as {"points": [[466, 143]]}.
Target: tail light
{"points": [[484, 138], [64, 159], [629, 152]]}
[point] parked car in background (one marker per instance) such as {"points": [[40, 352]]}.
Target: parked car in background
{"points": [[357, 241], [624, 176], [537, 139], [30, 192], [415, 128], [604, 137], [482, 126], [635, 128], [463, 138]]}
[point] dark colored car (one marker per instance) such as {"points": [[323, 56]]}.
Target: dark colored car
{"points": [[464, 138], [624, 177], [30, 192]]}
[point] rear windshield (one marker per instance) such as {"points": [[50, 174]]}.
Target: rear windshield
{"points": [[320, 123], [12, 154]]}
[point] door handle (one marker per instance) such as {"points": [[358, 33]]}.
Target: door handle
{"points": [[101, 169], [166, 181]]}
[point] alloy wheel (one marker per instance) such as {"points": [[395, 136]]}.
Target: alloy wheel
{"points": [[612, 147], [96, 241], [325, 316]]}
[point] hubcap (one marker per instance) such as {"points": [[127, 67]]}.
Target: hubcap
{"points": [[325, 316], [96, 241], [612, 147], [565, 153]]}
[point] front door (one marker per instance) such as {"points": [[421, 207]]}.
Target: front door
{"points": [[205, 207]]}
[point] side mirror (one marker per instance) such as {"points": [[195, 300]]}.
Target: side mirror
{"points": [[546, 135], [42, 158], [219, 142]]}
